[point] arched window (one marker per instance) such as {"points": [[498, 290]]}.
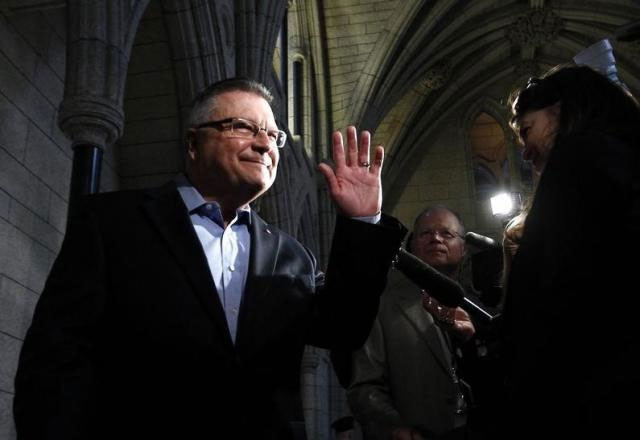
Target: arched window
{"points": [[298, 94], [489, 154]]}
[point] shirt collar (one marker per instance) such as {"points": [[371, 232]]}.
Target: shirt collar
{"points": [[194, 200]]}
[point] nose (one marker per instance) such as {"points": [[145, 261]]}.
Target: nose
{"points": [[261, 141]]}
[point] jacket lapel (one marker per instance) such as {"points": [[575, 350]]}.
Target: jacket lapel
{"points": [[168, 213], [424, 324], [265, 245]]}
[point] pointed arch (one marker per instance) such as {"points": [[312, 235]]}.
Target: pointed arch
{"points": [[378, 62]]}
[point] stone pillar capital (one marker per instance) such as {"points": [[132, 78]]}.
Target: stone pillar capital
{"points": [[91, 120], [99, 39], [310, 362]]}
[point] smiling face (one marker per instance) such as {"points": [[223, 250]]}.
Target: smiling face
{"points": [[437, 240], [224, 167], [537, 131]]}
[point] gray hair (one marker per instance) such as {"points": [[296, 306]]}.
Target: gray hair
{"points": [[205, 100], [430, 209], [439, 207]]}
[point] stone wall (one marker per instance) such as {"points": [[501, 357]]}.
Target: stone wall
{"points": [[443, 177], [150, 151], [353, 28], [35, 171]]}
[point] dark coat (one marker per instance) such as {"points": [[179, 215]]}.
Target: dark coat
{"points": [[129, 339], [572, 296]]}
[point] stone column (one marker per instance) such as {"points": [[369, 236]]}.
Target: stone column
{"points": [[315, 393], [257, 23], [100, 36], [257, 26], [202, 45]]}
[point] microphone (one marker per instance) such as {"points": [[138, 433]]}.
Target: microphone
{"points": [[448, 292], [481, 241]]}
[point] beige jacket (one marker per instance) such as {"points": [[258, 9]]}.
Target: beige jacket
{"points": [[402, 376]]}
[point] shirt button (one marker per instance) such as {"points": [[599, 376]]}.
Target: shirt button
{"points": [[208, 206], [232, 268]]}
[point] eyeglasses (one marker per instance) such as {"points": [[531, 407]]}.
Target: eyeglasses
{"points": [[445, 234], [245, 129]]}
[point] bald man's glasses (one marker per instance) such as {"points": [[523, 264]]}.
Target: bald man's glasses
{"points": [[245, 129], [444, 234]]}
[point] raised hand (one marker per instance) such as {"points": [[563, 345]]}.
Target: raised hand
{"points": [[354, 184]]}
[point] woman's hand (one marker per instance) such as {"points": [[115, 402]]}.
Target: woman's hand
{"points": [[455, 320]]}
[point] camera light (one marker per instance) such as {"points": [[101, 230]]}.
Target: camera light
{"points": [[501, 204]]}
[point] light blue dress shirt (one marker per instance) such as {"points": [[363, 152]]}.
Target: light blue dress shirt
{"points": [[226, 249]]}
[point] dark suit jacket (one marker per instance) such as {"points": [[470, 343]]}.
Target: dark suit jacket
{"points": [[572, 297], [129, 339]]}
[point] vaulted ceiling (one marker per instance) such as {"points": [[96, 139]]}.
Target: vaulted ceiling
{"points": [[401, 68], [432, 59]]}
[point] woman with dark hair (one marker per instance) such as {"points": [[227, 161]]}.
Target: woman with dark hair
{"points": [[572, 344]]}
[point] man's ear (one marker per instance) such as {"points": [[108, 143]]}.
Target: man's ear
{"points": [[191, 143]]}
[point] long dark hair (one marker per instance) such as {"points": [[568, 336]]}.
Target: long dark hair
{"points": [[588, 100]]}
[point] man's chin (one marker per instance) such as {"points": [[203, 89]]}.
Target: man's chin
{"points": [[435, 256], [436, 262], [258, 187], [439, 261], [261, 178]]}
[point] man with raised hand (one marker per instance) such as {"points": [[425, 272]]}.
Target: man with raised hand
{"points": [[177, 312]]}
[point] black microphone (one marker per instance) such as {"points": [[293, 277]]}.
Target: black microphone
{"points": [[448, 292], [481, 241]]}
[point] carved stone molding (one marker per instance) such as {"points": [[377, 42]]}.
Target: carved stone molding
{"points": [[535, 28], [257, 25], [632, 46], [310, 361], [527, 68], [436, 77], [10, 7], [92, 120], [100, 36], [202, 39]]}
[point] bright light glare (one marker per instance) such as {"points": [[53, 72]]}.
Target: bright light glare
{"points": [[501, 204]]}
